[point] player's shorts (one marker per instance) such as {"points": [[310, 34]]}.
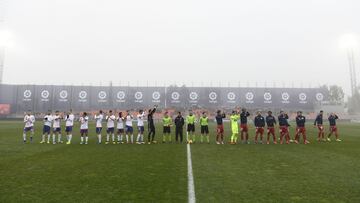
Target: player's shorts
{"points": [[141, 129], [83, 131], [191, 127], [98, 130], [68, 129], [301, 130], [220, 129], [204, 129], [235, 129], [333, 129], [120, 130], [320, 127], [46, 129], [27, 129], [129, 129], [284, 130], [244, 127], [110, 130], [166, 129], [56, 130], [259, 130], [271, 130]]}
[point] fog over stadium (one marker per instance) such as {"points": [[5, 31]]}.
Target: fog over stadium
{"points": [[195, 42]]}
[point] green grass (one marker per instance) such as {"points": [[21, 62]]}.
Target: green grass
{"points": [[319, 172]]}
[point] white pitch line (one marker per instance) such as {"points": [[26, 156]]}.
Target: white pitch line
{"points": [[191, 187]]}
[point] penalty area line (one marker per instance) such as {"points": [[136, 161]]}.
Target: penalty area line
{"points": [[191, 187]]}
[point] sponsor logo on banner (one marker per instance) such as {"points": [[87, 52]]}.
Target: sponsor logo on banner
{"points": [[120, 96], [175, 97], [138, 97], [302, 98], [249, 96], [267, 98], [156, 97], [193, 97], [63, 96], [213, 97], [27, 95], [319, 97], [82, 96], [102, 96], [45, 94], [231, 96], [285, 97]]}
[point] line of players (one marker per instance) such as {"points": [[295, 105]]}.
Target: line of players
{"points": [[124, 126]]}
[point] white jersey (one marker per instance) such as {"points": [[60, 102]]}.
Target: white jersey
{"points": [[120, 122], [48, 120], [140, 119], [84, 123], [69, 120], [29, 121], [98, 119], [129, 120], [56, 123], [110, 121]]}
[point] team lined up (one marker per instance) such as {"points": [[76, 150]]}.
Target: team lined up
{"points": [[124, 132]]}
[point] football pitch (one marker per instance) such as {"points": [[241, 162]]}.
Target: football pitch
{"points": [[318, 172]]}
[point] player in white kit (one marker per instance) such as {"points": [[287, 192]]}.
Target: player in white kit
{"points": [[29, 121], [110, 127], [98, 119], [69, 123], [120, 127], [129, 129], [57, 127], [84, 127], [47, 128], [140, 125]]}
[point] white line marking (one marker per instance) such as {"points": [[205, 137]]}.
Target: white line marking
{"points": [[191, 187]]}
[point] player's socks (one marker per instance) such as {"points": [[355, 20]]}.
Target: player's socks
{"points": [[59, 138], [86, 139], [113, 137], [169, 137], [99, 138], [70, 137], [138, 138], [43, 138], [24, 137], [54, 138], [82, 140], [107, 137], [207, 138], [142, 138], [132, 138], [164, 138], [127, 138], [48, 138]]}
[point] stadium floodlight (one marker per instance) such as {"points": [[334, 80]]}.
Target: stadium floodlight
{"points": [[349, 42]]}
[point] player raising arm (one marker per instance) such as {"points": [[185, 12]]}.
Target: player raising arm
{"points": [[47, 127], [333, 129], [129, 129], [234, 118], [29, 121], [151, 125], [57, 127], [120, 127], [284, 127], [244, 127], [220, 127]]}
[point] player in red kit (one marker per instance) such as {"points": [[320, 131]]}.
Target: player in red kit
{"points": [[243, 126], [259, 122], [300, 128], [319, 123], [284, 127], [333, 129], [270, 122]]}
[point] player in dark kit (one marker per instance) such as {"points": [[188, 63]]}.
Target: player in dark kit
{"points": [[151, 125], [243, 126], [270, 122], [284, 127], [220, 127], [319, 123], [333, 129], [300, 128], [259, 122], [179, 125]]}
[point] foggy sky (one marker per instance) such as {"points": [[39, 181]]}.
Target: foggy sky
{"points": [[184, 41]]}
